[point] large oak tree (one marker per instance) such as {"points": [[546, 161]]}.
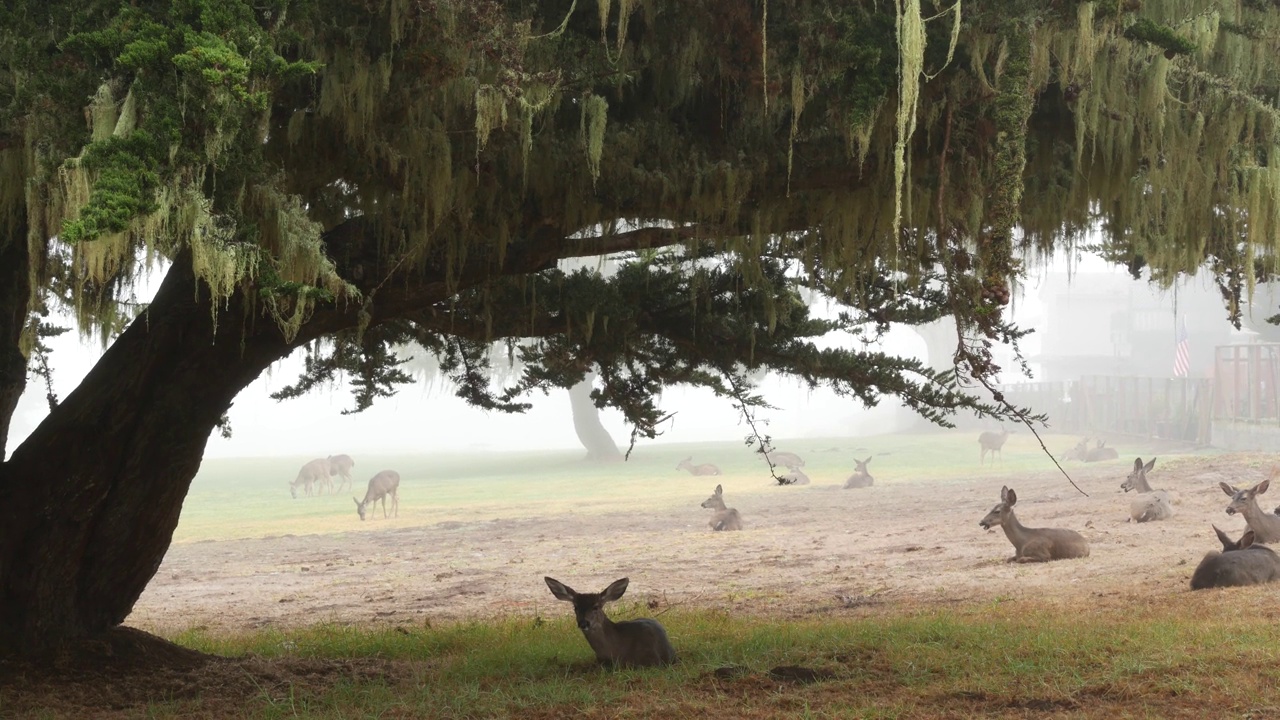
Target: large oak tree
{"points": [[350, 175]]}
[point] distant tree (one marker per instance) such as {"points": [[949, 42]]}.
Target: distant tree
{"points": [[352, 177]]}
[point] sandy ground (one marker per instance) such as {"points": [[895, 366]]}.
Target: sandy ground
{"points": [[804, 549]]}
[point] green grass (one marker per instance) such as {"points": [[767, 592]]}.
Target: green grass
{"points": [[239, 498], [1181, 658]]}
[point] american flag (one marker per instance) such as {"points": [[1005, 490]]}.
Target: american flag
{"points": [[1181, 359]]}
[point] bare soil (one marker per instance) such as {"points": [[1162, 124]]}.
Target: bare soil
{"points": [[806, 550]]}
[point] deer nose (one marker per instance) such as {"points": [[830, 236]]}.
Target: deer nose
{"points": [[1231, 511], [583, 624]]}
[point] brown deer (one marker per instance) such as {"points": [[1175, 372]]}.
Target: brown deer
{"points": [[860, 477], [381, 485], [703, 469], [630, 643], [991, 442], [1084, 453], [789, 460], [1266, 526], [724, 518], [794, 477], [341, 465], [1240, 563], [1033, 544], [1150, 504], [313, 473]]}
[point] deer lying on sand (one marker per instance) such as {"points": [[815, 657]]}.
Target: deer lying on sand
{"points": [[1033, 544], [315, 472], [991, 442], [1150, 504], [1266, 526], [1240, 563], [630, 643], [724, 518], [860, 477], [341, 465], [703, 469], [381, 485]]}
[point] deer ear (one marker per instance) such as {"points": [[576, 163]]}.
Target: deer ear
{"points": [[1011, 498], [1247, 539], [560, 590], [1227, 489], [1150, 464], [1262, 487], [1227, 542], [1137, 464], [357, 502], [615, 590], [719, 490]]}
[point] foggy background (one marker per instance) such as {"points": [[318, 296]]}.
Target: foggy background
{"points": [[427, 417]]}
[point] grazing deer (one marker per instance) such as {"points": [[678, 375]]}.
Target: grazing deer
{"points": [[630, 643], [788, 460], [381, 485], [1240, 563], [795, 477], [315, 472], [724, 518], [1265, 526], [991, 442], [341, 465], [1150, 504], [1033, 544], [860, 477], [703, 469]]}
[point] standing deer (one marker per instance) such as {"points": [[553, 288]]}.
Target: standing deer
{"points": [[630, 643], [1150, 504], [724, 518], [1033, 544], [314, 472], [381, 485], [1240, 563], [1265, 526], [703, 469], [860, 477], [991, 442], [789, 460], [341, 465]]}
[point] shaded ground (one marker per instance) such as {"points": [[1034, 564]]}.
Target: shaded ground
{"points": [[806, 550]]}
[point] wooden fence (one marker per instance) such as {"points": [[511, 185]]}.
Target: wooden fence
{"points": [[1166, 408]]}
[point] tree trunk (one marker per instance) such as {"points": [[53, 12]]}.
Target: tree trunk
{"points": [[586, 422], [15, 293]]}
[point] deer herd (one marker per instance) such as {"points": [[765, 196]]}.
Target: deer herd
{"points": [[317, 475]]}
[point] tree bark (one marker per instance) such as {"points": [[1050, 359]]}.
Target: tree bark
{"points": [[15, 295], [586, 423]]}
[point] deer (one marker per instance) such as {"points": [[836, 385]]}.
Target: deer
{"points": [[724, 518], [789, 460], [795, 477], [314, 472], [1266, 526], [631, 643], [991, 442], [1240, 563], [1150, 504], [341, 465], [1033, 544], [1084, 453], [860, 477], [381, 485], [703, 469]]}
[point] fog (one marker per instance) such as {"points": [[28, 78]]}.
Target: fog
{"points": [[428, 418]]}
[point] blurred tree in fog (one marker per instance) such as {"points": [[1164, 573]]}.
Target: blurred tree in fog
{"points": [[353, 177]]}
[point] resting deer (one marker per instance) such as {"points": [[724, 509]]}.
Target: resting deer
{"points": [[630, 643], [1150, 504], [860, 477], [991, 442], [788, 460], [381, 485], [795, 477], [315, 472], [1240, 563], [341, 465], [724, 518], [703, 469], [1266, 526], [1033, 544], [1084, 453]]}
